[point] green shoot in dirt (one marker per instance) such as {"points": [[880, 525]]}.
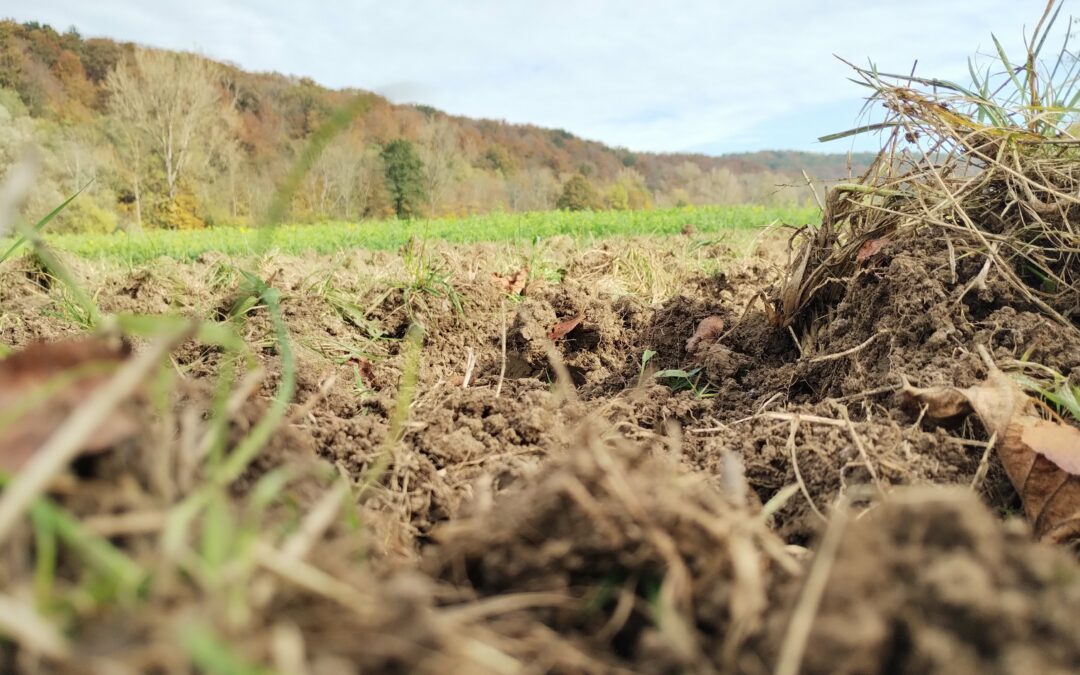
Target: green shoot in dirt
{"points": [[426, 278], [687, 380], [646, 356], [414, 345], [214, 656], [77, 304], [1052, 387], [117, 576]]}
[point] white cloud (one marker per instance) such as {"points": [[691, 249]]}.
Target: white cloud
{"points": [[639, 73]]}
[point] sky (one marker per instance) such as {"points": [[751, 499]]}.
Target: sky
{"points": [[712, 76]]}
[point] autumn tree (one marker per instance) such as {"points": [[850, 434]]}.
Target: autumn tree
{"points": [[99, 57], [11, 59], [404, 177], [78, 90], [130, 143], [441, 158], [304, 107], [347, 175], [16, 128], [616, 198], [629, 192], [479, 191], [334, 185], [168, 103], [532, 190], [498, 158], [578, 194]]}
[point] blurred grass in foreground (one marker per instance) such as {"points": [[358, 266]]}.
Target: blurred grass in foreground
{"points": [[389, 234]]}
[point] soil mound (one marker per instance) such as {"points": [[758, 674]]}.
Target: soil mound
{"points": [[622, 558], [932, 582]]}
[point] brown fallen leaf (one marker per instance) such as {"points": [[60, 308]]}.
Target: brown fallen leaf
{"points": [[560, 330], [513, 284], [364, 368], [1040, 456], [793, 288], [708, 330], [1057, 442], [43, 384], [870, 248], [942, 403]]}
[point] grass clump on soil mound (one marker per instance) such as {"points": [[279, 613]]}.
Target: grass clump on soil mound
{"points": [[987, 174], [956, 254]]}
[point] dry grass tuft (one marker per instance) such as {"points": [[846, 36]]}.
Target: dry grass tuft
{"points": [[992, 171]]}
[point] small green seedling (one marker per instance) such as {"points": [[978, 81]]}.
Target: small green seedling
{"points": [[646, 356], [683, 380], [1052, 387]]}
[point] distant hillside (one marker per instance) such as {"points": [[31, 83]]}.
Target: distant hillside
{"points": [[822, 166], [175, 140]]}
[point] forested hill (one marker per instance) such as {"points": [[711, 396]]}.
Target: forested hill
{"points": [[175, 140]]}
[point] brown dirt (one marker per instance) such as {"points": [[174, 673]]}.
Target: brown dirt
{"points": [[521, 524], [933, 583]]}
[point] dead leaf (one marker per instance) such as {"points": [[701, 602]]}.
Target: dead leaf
{"points": [[995, 401], [942, 403], [999, 402], [1057, 442], [560, 330], [42, 385], [792, 286], [1041, 457], [364, 368], [870, 248], [708, 330], [513, 284]]}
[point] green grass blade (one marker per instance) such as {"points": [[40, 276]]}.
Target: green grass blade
{"points": [[283, 197], [857, 130], [45, 556], [97, 552], [1046, 32], [248, 448], [40, 225], [925, 81], [1008, 65], [213, 656], [1062, 53]]}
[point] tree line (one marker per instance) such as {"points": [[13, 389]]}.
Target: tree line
{"points": [[167, 139]]}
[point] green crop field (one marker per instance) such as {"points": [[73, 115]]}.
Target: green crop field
{"points": [[382, 234]]}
